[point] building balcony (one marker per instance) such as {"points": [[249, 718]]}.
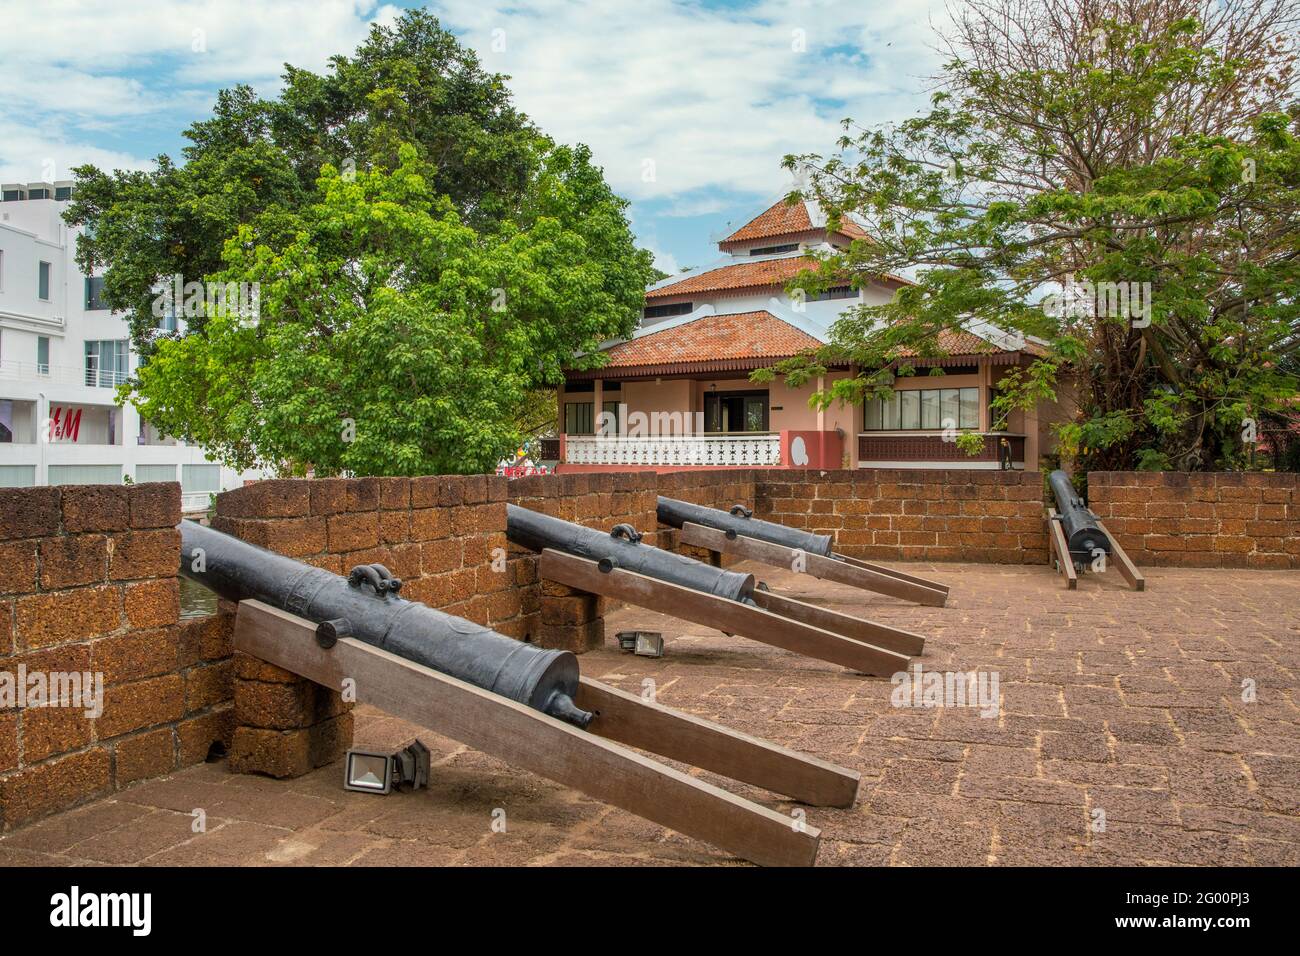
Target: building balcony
{"points": [[788, 448], [888, 450], [743, 450], [14, 370]]}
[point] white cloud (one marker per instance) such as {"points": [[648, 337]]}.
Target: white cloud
{"points": [[197, 41], [715, 98], [77, 67], [664, 261], [45, 154]]}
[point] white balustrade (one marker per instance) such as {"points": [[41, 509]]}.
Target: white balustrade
{"points": [[754, 450]]}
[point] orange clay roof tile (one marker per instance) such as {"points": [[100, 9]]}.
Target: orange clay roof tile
{"points": [[741, 275], [781, 219], [778, 219], [713, 337], [959, 343]]}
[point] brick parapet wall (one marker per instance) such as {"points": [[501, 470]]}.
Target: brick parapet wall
{"points": [[89, 585], [1201, 519], [912, 515]]}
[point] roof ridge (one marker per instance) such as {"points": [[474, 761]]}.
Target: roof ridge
{"points": [[779, 218]]}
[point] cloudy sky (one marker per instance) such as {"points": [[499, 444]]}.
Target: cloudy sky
{"points": [[712, 93]]}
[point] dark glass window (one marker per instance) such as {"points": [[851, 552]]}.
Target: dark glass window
{"points": [[927, 408], [836, 292], [94, 293], [577, 418], [774, 250], [659, 311], [736, 412]]}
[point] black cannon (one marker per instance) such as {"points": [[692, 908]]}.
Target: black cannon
{"points": [[1082, 535], [740, 521], [365, 605], [622, 548]]}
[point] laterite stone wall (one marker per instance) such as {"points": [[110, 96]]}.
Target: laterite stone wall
{"points": [[1201, 519], [913, 515], [88, 584]]}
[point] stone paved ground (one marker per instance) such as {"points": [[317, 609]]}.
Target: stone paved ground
{"points": [[1126, 703]]}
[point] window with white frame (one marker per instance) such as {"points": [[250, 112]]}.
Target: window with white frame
{"points": [[106, 362], [196, 479]]}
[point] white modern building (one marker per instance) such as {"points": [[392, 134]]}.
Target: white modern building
{"points": [[62, 355]]}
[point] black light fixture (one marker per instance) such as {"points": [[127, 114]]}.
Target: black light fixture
{"points": [[375, 771]]}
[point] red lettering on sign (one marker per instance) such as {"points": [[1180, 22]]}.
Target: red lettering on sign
{"points": [[65, 428]]}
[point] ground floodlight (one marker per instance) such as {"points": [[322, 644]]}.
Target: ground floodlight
{"points": [[368, 772], [649, 644], [371, 771]]}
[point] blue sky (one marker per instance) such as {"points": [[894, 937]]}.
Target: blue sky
{"points": [[688, 106]]}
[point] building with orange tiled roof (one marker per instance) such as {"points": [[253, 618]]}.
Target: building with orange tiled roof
{"points": [[677, 393]]}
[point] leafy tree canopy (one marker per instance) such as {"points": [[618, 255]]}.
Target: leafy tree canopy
{"points": [[1143, 154], [427, 260]]}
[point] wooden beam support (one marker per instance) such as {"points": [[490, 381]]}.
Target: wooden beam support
{"points": [[1063, 558], [881, 569], [731, 617], [855, 574], [1122, 561], [529, 739], [670, 733], [882, 635]]}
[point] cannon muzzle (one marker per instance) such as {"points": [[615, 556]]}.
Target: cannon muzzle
{"points": [[1082, 535], [622, 548], [365, 605], [740, 521]]}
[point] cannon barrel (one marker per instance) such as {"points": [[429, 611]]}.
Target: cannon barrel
{"points": [[621, 547], [365, 605], [1082, 535], [739, 521]]}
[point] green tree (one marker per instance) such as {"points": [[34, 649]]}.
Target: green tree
{"points": [[427, 262], [1106, 142]]}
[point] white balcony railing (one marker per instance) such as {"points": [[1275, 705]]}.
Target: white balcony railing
{"points": [[192, 501], [752, 450], [61, 374]]}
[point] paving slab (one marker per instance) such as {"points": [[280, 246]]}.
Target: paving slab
{"points": [[1152, 728]]}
